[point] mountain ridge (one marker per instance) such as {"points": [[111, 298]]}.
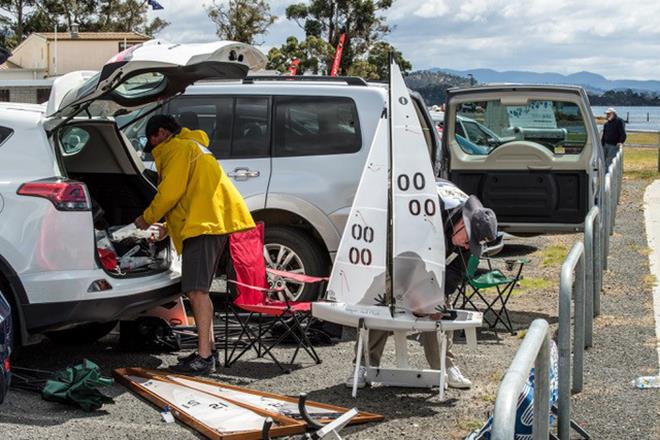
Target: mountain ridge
{"points": [[593, 82]]}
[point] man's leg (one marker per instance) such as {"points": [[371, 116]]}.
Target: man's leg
{"points": [[455, 378], [202, 309], [432, 351]]}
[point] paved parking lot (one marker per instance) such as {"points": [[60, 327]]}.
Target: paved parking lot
{"points": [[624, 348]]}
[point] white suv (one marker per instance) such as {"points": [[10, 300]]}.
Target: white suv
{"points": [[66, 168], [295, 148]]}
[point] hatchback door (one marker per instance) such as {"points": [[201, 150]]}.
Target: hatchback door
{"points": [[536, 159], [149, 72]]}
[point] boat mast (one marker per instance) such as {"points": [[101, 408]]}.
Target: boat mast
{"points": [[389, 247]]}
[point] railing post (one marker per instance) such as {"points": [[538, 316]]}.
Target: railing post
{"points": [[591, 237], [607, 204], [579, 323], [574, 263], [534, 351], [542, 366]]}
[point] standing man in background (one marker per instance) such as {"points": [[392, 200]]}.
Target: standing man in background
{"points": [[614, 135], [201, 206]]}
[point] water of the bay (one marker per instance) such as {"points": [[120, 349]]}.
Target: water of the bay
{"points": [[639, 118]]}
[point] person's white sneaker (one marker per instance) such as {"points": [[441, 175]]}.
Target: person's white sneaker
{"points": [[455, 379], [362, 379]]}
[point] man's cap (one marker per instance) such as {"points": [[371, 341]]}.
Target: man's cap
{"points": [[610, 110], [480, 224]]}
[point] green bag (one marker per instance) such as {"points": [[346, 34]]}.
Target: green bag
{"points": [[77, 386]]}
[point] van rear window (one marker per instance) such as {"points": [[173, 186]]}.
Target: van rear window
{"points": [[306, 126], [5, 132]]}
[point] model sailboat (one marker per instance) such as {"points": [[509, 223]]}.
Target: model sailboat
{"points": [[389, 270]]}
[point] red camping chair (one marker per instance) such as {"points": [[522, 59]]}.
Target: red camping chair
{"points": [[260, 301]]}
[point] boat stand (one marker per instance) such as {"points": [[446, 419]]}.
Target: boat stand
{"points": [[402, 375]]}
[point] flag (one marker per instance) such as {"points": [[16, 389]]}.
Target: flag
{"points": [[340, 48], [155, 5], [293, 67]]}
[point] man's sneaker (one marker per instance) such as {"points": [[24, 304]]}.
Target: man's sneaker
{"points": [[189, 357], [455, 379], [362, 379], [195, 366]]}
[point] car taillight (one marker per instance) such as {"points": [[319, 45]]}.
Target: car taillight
{"points": [[7, 365], [65, 195]]}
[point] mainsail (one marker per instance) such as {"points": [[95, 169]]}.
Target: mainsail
{"points": [[418, 248], [419, 245]]}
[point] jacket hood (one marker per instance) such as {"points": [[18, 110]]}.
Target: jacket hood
{"points": [[198, 136]]}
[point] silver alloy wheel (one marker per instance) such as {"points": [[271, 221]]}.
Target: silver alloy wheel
{"points": [[281, 257]]}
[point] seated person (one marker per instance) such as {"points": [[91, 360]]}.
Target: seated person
{"points": [[466, 233]]}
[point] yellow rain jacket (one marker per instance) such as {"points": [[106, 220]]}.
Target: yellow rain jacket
{"points": [[194, 194]]}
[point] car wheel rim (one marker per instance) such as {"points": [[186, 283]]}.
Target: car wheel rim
{"points": [[281, 257]]}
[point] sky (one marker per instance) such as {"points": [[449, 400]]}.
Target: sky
{"points": [[616, 38]]}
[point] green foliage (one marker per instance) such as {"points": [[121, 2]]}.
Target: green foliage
{"points": [[241, 20], [364, 52], [23, 17], [312, 53], [625, 98]]}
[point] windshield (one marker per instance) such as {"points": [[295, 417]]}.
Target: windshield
{"points": [[482, 126]]}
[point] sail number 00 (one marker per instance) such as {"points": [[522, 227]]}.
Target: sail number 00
{"points": [[355, 255], [418, 182]]}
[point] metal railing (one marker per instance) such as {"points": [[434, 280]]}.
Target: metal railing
{"points": [[574, 264], [584, 264], [593, 273], [534, 351]]}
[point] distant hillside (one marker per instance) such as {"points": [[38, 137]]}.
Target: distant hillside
{"points": [[433, 85], [591, 81]]}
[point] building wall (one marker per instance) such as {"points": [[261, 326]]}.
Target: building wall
{"points": [[29, 94], [75, 55], [32, 54]]}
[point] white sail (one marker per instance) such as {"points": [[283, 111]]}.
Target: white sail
{"points": [[419, 245], [217, 413], [280, 406], [358, 273]]}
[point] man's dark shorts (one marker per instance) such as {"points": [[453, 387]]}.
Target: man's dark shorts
{"points": [[201, 256]]}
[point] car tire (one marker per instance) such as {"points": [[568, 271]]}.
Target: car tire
{"points": [[296, 250], [82, 334]]}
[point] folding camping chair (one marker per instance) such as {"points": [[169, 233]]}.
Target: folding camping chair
{"points": [[477, 281], [267, 308]]}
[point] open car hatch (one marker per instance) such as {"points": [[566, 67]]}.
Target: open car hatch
{"points": [[148, 72]]}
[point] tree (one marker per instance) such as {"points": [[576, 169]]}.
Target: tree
{"points": [[241, 20], [358, 19], [312, 53], [17, 10], [26, 16]]}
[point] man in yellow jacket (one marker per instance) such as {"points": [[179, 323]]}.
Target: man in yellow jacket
{"points": [[201, 206]]}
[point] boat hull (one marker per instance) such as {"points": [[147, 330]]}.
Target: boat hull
{"points": [[380, 318]]}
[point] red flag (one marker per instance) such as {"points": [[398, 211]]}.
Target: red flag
{"points": [[340, 48], [293, 67]]}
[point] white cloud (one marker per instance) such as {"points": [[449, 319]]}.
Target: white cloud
{"points": [[616, 38]]}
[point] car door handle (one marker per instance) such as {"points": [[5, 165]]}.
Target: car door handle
{"points": [[243, 173], [539, 167]]}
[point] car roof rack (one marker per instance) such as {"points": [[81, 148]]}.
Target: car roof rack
{"points": [[350, 80]]}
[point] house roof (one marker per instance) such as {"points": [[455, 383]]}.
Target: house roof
{"points": [[119, 36], [7, 65]]}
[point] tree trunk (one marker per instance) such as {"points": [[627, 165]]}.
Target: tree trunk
{"points": [[19, 19]]}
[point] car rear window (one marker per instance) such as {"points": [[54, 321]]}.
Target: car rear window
{"points": [[307, 126], [482, 126], [5, 132]]}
